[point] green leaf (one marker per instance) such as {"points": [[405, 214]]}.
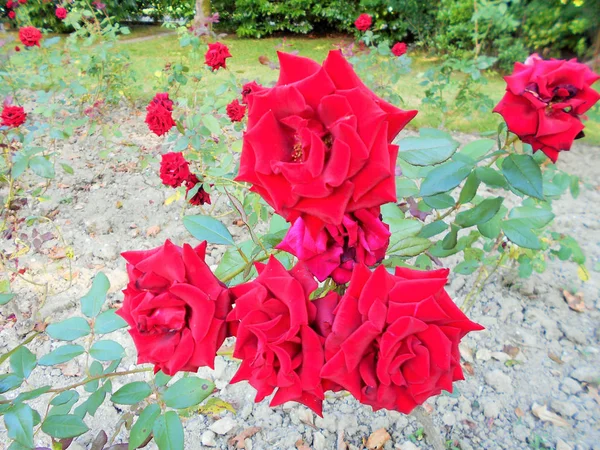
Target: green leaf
{"points": [[232, 260], [22, 362], [405, 187], [469, 190], [490, 177], [412, 246], [143, 426], [41, 167], [108, 321], [212, 124], [92, 302], [19, 424], [426, 151], [574, 186], [132, 393], [444, 178], [5, 298], [161, 379], [30, 395], [91, 405], [450, 240], [65, 397], [478, 149], [466, 267], [187, 392], [491, 229], [440, 201], [400, 230], [523, 174], [61, 355], [537, 217], [19, 164], [433, 229], [481, 213], [69, 329], [67, 168], [518, 232], [106, 350], [206, 228], [64, 426], [168, 432], [9, 381], [525, 266], [391, 211]]}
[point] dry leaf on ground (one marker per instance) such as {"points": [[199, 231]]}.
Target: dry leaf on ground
{"points": [[378, 439], [152, 231], [555, 358], [240, 440], [519, 412], [300, 445], [542, 413], [575, 302], [511, 350]]}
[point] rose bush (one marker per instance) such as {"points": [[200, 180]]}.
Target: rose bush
{"points": [[159, 114], [175, 307], [13, 116], [30, 36], [216, 56]]}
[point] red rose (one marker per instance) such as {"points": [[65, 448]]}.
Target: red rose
{"points": [[250, 88], [17, 48], [174, 169], [9, 4], [319, 143], [175, 306], [236, 111], [361, 238], [399, 49], [394, 338], [159, 116], [364, 22], [13, 116], [201, 196], [216, 56], [11, 15], [544, 101], [22, 2], [30, 36], [278, 348], [61, 13]]}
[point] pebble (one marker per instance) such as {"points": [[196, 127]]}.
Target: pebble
{"points": [[574, 334], [500, 356], [570, 386], [449, 419], [407, 446], [587, 374], [319, 441], [208, 439], [491, 409], [565, 409], [499, 381], [223, 426], [483, 354]]}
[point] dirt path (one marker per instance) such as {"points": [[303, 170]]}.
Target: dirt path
{"points": [[109, 205]]}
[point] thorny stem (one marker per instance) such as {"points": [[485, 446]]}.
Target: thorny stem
{"points": [[232, 275], [431, 431]]}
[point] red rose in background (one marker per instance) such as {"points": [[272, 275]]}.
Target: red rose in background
{"points": [[236, 111], [22, 2], [364, 22], [399, 49], [30, 36], [11, 15], [544, 101], [17, 48], [319, 143], [13, 116], [361, 238], [159, 115], [278, 348], [9, 4], [61, 13], [201, 196], [174, 169], [175, 306], [394, 338], [216, 56], [250, 88]]}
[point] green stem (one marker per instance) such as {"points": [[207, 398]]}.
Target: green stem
{"points": [[5, 356]]}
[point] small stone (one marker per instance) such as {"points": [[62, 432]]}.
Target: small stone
{"points": [[499, 381], [223, 426], [483, 354], [562, 445], [500, 356], [208, 439], [491, 409], [248, 443], [574, 334], [587, 374], [565, 409], [449, 419], [407, 446], [570, 386], [319, 441]]}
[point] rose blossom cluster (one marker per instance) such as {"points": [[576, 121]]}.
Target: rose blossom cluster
{"points": [[159, 114], [318, 148], [175, 172], [545, 101]]}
